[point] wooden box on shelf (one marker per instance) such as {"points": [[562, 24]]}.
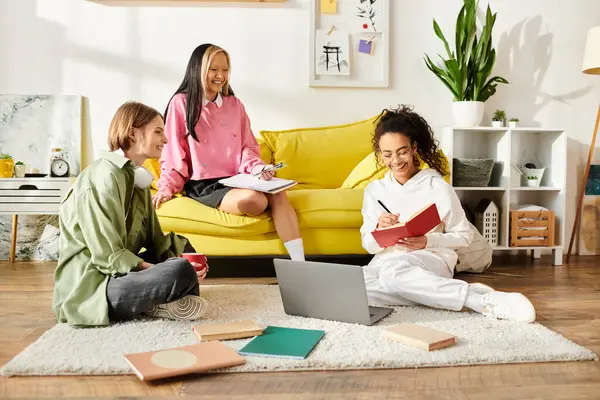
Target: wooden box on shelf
{"points": [[531, 224]]}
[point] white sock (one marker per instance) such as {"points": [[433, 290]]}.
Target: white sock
{"points": [[474, 301], [295, 249]]}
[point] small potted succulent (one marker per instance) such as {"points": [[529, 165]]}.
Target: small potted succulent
{"points": [[512, 123], [498, 118], [20, 169], [6, 165], [533, 181]]}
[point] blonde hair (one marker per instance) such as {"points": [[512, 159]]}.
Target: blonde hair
{"points": [[207, 59], [130, 115]]}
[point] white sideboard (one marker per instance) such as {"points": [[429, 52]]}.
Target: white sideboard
{"points": [[36, 196]]}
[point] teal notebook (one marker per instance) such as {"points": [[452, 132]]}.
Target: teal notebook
{"points": [[276, 341]]}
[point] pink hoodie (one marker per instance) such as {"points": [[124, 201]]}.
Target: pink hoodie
{"points": [[226, 145]]}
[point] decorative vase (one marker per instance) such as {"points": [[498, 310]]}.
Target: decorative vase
{"points": [[20, 171], [467, 114], [512, 124], [6, 168], [533, 182], [497, 124]]}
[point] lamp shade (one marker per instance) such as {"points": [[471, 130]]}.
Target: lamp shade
{"points": [[591, 57]]}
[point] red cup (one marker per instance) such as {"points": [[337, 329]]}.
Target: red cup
{"points": [[199, 258]]}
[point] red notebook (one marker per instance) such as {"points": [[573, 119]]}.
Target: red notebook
{"points": [[419, 224]]}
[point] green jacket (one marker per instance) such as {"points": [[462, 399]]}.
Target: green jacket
{"points": [[104, 223]]}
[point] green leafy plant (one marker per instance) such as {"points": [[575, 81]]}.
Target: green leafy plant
{"points": [[532, 178], [514, 120], [466, 70], [5, 156], [19, 163], [499, 115]]}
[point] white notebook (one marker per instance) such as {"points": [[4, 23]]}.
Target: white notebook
{"points": [[247, 181]]}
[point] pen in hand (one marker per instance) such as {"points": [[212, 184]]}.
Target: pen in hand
{"points": [[270, 169], [384, 207], [386, 220]]}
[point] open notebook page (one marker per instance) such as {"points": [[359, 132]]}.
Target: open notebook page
{"points": [[247, 181]]}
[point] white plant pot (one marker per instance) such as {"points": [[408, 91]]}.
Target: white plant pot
{"points": [[20, 171], [512, 124], [497, 124], [537, 172], [467, 114]]}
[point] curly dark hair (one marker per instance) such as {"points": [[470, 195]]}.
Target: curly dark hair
{"points": [[405, 121]]}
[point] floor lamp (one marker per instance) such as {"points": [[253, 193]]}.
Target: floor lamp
{"points": [[591, 65]]}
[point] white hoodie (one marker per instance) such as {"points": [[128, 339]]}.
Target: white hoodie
{"points": [[427, 186]]}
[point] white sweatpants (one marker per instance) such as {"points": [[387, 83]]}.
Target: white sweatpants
{"points": [[416, 278]]}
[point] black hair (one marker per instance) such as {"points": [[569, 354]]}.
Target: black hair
{"points": [[191, 85], [403, 120]]}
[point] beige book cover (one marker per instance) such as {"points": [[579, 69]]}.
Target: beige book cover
{"points": [[199, 357], [227, 331], [419, 336]]}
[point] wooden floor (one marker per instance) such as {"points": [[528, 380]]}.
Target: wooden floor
{"points": [[567, 300]]}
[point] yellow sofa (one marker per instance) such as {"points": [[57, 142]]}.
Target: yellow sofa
{"points": [[332, 166]]}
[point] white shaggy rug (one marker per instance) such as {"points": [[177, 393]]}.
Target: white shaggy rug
{"points": [[99, 351]]}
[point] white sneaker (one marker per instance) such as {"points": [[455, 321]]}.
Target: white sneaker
{"points": [[509, 306], [187, 308], [481, 288]]}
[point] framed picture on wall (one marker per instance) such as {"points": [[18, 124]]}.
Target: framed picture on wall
{"points": [[349, 43]]}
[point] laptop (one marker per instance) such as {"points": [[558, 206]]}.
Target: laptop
{"points": [[334, 292]]}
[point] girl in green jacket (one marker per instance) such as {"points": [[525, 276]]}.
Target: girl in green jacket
{"points": [[106, 219]]}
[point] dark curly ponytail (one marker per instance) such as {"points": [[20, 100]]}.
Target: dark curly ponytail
{"points": [[410, 124]]}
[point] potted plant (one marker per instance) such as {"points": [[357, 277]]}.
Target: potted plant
{"points": [[512, 123], [533, 181], [498, 118], [6, 165], [467, 68], [20, 169]]}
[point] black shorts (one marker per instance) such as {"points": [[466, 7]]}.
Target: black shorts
{"points": [[207, 191]]}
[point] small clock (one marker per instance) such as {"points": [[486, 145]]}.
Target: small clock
{"points": [[59, 167]]}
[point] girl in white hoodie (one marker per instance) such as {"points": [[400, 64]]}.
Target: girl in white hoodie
{"points": [[419, 270]]}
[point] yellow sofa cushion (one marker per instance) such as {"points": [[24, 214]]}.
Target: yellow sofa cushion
{"points": [[320, 158], [183, 214], [369, 170], [328, 208], [316, 208], [365, 172]]}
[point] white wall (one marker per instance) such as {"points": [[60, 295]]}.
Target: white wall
{"points": [[114, 54]]}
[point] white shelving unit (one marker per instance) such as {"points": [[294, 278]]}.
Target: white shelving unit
{"points": [[515, 147]]}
